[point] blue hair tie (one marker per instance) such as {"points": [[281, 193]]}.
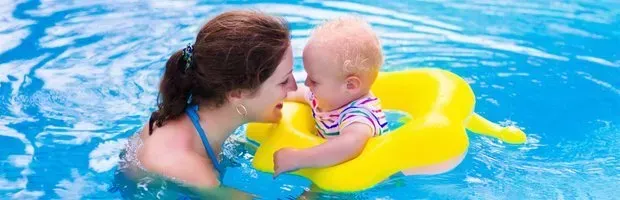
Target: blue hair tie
{"points": [[187, 55]]}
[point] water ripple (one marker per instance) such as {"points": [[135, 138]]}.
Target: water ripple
{"points": [[11, 179], [551, 9], [77, 78], [355, 7], [12, 30], [599, 61], [599, 82]]}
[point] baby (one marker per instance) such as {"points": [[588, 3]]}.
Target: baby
{"points": [[342, 59]]}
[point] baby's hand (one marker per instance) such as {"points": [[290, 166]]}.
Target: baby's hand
{"points": [[285, 160]]}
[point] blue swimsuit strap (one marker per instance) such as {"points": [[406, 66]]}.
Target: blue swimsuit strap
{"points": [[193, 115]]}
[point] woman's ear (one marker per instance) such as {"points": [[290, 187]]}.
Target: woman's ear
{"points": [[353, 84], [238, 94], [235, 95]]}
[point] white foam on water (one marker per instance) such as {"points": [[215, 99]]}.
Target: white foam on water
{"points": [[77, 186], [105, 156]]}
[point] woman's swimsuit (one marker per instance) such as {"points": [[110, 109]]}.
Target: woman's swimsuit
{"points": [[192, 112]]}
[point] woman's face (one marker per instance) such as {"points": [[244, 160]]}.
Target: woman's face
{"points": [[266, 104]]}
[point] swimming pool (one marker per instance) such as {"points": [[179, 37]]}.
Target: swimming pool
{"points": [[77, 78]]}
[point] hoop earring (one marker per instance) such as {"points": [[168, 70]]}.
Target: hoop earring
{"points": [[243, 112]]}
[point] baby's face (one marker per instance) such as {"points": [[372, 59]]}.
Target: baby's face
{"points": [[325, 78]]}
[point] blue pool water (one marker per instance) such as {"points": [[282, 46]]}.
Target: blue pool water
{"points": [[77, 78]]}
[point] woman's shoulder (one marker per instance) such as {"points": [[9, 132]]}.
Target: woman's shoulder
{"points": [[168, 153]]}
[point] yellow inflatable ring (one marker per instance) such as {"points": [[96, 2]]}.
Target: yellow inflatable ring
{"points": [[440, 104]]}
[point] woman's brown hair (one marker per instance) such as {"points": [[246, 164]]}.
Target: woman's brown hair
{"points": [[234, 50]]}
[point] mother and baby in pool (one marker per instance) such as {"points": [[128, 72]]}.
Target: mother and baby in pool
{"points": [[239, 70]]}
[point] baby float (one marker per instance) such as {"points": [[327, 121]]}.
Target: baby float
{"points": [[441, 106]]}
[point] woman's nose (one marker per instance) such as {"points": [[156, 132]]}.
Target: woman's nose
{"points": [[293, 85]]}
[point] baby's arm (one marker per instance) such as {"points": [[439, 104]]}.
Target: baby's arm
{"points": [[298, 95], [343, 148]]}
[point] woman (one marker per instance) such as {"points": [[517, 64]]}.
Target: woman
{"points": [[239, 70]]}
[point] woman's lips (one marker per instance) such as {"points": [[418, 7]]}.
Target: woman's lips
{"points": [[279, 106]]}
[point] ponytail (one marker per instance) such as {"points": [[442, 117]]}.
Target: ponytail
{"points": [[174, 89]]}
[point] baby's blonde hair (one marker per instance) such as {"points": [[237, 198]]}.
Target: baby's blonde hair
{"points": [[355, 43]]}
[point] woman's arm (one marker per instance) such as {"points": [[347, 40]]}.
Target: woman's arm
{"points": [[222, 192], [187, 166]]}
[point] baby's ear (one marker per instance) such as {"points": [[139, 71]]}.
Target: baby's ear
{"points": [[353, 83]]}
